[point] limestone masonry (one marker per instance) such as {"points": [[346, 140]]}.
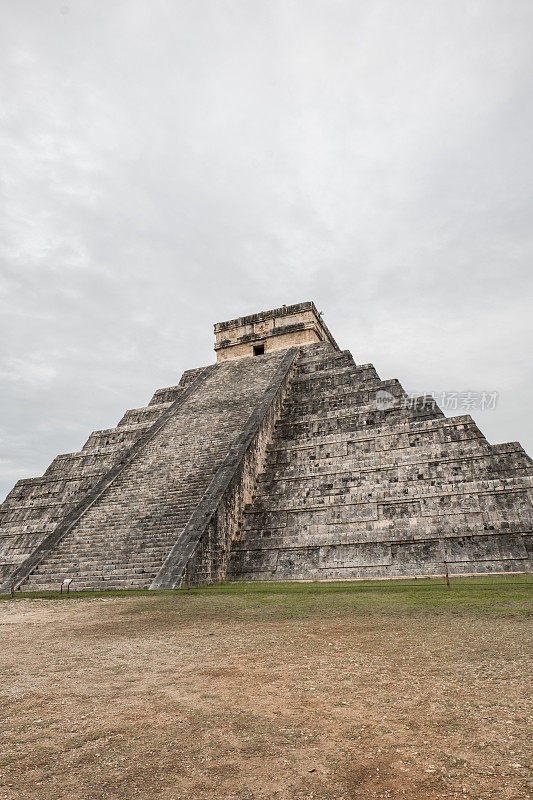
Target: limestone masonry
{"points": [[277, 462]]}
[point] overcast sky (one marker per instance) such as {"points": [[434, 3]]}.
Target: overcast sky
{"points": [[167, 165]]}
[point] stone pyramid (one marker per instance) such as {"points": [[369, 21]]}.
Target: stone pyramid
{"points": [[284, 460]]}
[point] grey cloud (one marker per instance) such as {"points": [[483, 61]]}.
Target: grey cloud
{"points": [[171, 164]]}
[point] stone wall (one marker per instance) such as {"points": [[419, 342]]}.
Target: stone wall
{"points": [[351, 490], [296, 336]]}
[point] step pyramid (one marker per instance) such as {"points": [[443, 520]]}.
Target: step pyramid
{"points": [[285, 460]]}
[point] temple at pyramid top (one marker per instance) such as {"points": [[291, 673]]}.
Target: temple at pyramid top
{"points": [[267, 331]]}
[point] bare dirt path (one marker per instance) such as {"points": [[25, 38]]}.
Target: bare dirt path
{"points": [[219, 696]]}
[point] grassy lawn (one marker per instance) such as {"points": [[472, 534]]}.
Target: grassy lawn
{"points": [[270, 691], [486, 594]]}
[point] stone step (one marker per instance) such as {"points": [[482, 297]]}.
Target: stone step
{"points": [[337, 427], [300, 496], [320, 472], [89, 557], [145, 415], [294, 537], [91, 584], [102, 570]]}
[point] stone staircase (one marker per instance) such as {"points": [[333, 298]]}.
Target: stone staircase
{"points": [[355, 489], [123, 538], [36, 506]]}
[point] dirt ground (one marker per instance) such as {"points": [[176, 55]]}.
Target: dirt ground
{"points": [[207, 695]]}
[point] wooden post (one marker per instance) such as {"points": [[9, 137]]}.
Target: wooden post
{"points": [[13, 588], [446, 573], [188, 581]]}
